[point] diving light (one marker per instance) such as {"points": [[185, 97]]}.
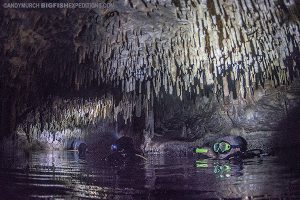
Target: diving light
{"points": [[201, 150]]}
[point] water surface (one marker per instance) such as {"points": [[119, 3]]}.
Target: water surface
{"points": [[63, 175]]}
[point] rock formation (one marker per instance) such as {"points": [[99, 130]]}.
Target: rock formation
{"points": [[63, 68]]}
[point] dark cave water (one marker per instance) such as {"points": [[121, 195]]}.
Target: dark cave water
{"points": [[63, 175]]}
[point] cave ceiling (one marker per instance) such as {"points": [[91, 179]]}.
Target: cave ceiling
{"points": [[138, 50]]}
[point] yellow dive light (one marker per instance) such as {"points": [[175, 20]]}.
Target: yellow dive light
{"points": [[201, 150]]}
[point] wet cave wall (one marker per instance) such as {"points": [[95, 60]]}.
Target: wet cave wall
{"points": [[268, 120], [170, 73]]}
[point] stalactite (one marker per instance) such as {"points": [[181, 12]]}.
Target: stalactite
{"points": [[192, 48], [67, 113]]}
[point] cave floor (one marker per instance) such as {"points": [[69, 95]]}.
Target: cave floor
{"points": [[63, 175]]}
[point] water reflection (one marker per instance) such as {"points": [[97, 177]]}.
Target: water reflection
{"points": [[222, 168], [63, 174]]}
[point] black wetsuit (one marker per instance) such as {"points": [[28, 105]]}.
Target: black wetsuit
{"points": [[124, 152], [79, 145]]}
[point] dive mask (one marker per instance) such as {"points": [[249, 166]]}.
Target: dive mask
{"points": [[222, 147]]}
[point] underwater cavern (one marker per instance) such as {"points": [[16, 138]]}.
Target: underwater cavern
{"points": [[150, 99]]}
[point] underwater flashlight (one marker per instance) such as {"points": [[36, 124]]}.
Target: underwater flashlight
{"points": [[201, 150], [114, 147]]}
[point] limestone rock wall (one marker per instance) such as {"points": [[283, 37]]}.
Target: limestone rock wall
{"points": [[269, 120], [140, 51]]}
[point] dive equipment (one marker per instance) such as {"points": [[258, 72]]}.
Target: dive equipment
{"points": [[201, 150], [223, 147], [114, 147]]}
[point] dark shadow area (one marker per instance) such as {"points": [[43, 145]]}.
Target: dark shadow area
{"points": [[287, 150], [289, 140]]}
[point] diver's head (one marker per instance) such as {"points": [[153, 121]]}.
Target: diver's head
{"points": [[238, 144], [123, 144]]}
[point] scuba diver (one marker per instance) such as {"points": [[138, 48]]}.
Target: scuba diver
{"points": [[124, 152], [82, 149], [80, 146], [229, 147]]}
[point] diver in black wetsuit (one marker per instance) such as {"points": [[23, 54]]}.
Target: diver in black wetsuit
{"points": [[124, 152], [229, 147], [82, 149], [80, 146]]}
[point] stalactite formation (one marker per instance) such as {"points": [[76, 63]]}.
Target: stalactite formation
{"points": [[64, 115], [145, 49], [232, 47]]}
